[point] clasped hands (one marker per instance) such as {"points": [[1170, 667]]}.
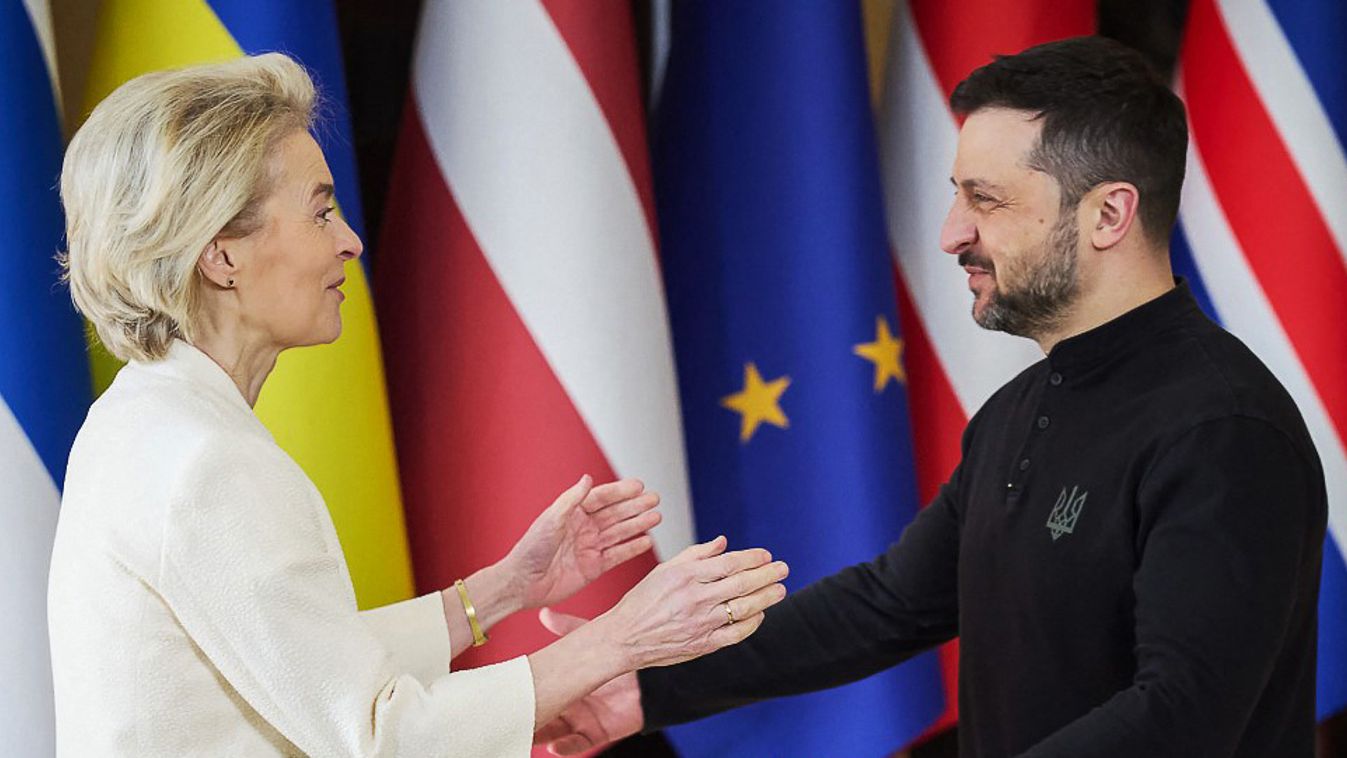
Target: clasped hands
{"points": [[692, 604]]}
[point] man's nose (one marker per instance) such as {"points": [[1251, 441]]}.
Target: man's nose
{"points": [[959, 231]]}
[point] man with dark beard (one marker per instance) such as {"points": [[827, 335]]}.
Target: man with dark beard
{"points": [[1130, 548]]}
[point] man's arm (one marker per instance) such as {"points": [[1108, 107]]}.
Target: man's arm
{"points": [[1232, 521], [862, 620]]}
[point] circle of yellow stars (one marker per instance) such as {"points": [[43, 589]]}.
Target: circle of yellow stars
{"points": [[759, 402]]}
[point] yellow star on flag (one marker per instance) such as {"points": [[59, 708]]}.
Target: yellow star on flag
{"points": [[886, 352], [757, 402]]}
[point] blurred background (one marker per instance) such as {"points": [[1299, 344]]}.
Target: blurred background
{"points": [[694, 242]]}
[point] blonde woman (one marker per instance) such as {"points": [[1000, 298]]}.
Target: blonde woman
{"points": [[199, 602]]}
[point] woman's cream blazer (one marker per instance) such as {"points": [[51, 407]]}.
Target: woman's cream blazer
{"points": [[199, 603]]}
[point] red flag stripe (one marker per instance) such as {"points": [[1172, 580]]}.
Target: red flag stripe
{"points": [[959, 37], [601, 38], [937, 421], [1254, 178], [954, 40], [481, 421]]}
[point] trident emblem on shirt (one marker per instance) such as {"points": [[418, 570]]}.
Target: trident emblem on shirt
{"points": [[1062, 520]]}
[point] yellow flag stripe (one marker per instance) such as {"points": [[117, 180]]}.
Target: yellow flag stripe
{"points": [[326, 405], [877, 16]]}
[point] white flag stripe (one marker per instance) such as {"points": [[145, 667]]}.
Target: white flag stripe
{"points": [[28, 514], [917, 146], [39, 13], [518, 134], [1289, 97], [1245, 310]]}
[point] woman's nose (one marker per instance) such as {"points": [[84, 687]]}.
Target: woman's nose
{"points": [[352, 247]]}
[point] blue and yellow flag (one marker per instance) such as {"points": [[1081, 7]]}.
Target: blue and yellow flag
{"points": [[44, 377], [790, 358], [325, 405]]}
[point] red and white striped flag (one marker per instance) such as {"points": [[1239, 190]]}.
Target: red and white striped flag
{"points": [[953, 365], [521, 303]]}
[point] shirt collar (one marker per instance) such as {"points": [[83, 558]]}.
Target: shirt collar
{"points": [[190, 364], [1125, 332]]}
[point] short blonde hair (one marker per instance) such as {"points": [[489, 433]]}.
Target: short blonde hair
{"points": [[165, 164]]}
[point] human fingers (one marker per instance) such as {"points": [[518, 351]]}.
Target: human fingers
{"points": [[739, 631], [605, 495], [701, 550], [623, 552], [748, 581], [628, 528], [573, 744], [552, 731], [750, 605], [573, 495], [720, 566], [625, 509], [558, 623]]}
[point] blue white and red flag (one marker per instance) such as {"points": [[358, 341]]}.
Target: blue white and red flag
{"points": [[44, 375], [1263, 233]]}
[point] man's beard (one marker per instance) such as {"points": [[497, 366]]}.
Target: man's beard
{"points": [[1051, 287]]}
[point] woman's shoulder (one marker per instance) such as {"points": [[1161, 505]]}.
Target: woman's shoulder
{"points": [[150, 430]]}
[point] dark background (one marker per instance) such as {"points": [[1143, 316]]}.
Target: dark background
{"points": [[377, 39]]}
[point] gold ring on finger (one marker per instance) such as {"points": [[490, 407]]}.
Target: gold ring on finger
{"points": [[729, 612]]}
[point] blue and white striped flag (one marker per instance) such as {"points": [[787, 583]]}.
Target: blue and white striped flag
{"points": [[44, 373]]}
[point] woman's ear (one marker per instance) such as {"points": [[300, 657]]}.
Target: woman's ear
{"points": [[217, 266]]}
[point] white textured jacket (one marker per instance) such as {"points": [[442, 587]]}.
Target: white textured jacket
{"points": [[199, 602]]}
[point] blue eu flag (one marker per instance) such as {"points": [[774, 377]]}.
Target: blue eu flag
{"points": [[790, 357]]}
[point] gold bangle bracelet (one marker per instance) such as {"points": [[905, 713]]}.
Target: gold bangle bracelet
{"points": [[478, 636]]}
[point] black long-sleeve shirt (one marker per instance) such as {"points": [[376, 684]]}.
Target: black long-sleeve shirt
{"points": [[1129, 552]]}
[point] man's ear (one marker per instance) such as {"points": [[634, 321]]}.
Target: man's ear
{"points": [[1115, 212], [217, 265]]}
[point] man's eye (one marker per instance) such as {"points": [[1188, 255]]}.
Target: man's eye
{"points": [[326, 213]]}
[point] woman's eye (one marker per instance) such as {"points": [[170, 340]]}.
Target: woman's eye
{"points": [[325, 215]]}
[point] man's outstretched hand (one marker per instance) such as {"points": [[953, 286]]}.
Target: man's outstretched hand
{"points": [[605, 715]]}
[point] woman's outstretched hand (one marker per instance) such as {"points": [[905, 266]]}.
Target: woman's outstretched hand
{"points": [[585, 532], [695, 603], [692, 604]]}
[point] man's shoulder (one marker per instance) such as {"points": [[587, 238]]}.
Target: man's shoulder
{"points": [[1203, 373]]}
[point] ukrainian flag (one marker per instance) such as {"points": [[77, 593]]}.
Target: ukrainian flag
{"points": [[326, 405], [44, 375]]}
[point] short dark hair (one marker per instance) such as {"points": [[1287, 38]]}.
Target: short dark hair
{"points": [[1107, 116]]}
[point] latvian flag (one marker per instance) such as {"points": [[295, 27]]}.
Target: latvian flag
{"points": [[521, 304]]}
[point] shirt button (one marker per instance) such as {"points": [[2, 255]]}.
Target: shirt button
{"points": [[1042, 422], [1055, 379], [1024, 465]]}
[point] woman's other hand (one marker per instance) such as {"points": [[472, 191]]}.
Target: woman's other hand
{"points": [[609, 713], [583, 533]]}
